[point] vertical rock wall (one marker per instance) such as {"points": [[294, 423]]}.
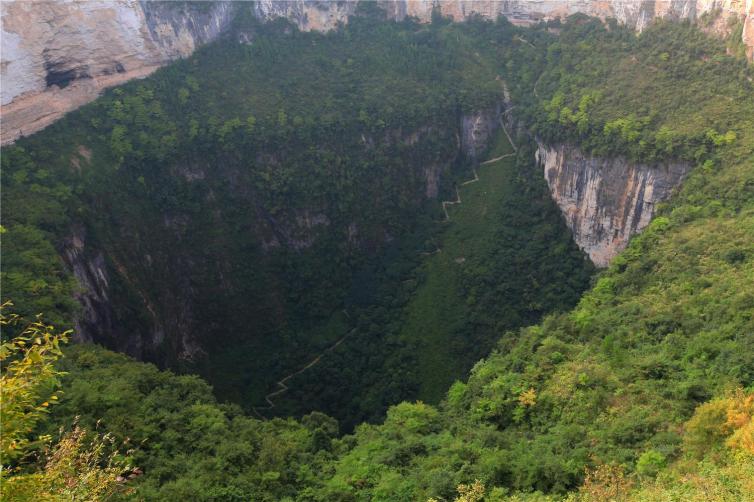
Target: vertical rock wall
{"points": [[605, 201], [477, 129], [59, 55]]}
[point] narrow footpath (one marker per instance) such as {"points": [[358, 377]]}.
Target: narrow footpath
{"points": [[281, 384], [282, 387], [447, 203]]}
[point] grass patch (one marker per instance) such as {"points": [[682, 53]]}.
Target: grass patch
{"points": [[439, 310]]}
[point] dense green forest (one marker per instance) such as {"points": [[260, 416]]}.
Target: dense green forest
{"points": [[283, 176], [642, 391]]}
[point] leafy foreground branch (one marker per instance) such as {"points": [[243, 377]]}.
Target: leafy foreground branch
{"points": [[81, 465]]}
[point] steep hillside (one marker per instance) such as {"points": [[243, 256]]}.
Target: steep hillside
{"points": [[299, 191], [666, 328], [642, 391], [173, 200]]}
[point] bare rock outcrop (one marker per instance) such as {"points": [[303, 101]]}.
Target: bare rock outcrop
{"points": [[164, 321], [308, 15], [477, 129], [59, 55], [605, 201]]}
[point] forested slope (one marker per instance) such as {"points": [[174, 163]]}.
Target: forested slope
{"points": [[619, 383], [292, 178], [667, 327]]}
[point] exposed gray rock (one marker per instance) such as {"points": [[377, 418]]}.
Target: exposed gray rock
{"points": [[98, 321], [60, 55], [605, 201], [308, 15], [178, 29], [476, 130]]}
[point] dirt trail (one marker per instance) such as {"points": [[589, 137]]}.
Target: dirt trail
{"points": [[502, 125], [282, 387], [447, 203], [536, 83], [522, 39], [280, 384], [488, 162]]}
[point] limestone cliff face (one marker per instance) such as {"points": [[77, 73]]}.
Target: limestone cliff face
{"points": [[308, 15], [324, 15], [748, 33], [59, 55], [634, 13], [605, 201], [98, 320], [477, 129]]}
